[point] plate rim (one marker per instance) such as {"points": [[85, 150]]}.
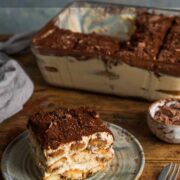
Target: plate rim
{"points": [[142, 154], [23, 134]]}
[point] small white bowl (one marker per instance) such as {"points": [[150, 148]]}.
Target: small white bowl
{"points": [[167, 133]]}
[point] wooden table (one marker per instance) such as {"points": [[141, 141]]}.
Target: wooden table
{"points": [[127, 113]]}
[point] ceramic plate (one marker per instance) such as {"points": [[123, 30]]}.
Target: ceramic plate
{"points": [[18, 164]]}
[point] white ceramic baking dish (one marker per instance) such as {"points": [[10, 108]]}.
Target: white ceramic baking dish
{"points": [[92, 74]]}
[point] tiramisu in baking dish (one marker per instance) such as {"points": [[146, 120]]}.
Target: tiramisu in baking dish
{"points": [[70, 143], [119, 50]]}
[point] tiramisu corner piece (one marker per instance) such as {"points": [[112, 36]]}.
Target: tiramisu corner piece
{"points": [[170, 52], [70, 143]]}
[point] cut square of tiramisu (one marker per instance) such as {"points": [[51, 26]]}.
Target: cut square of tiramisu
{"points": [[170, 52], [70, 143]]}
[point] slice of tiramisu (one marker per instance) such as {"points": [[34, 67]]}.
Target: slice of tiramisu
{"points": [[70, 143]]}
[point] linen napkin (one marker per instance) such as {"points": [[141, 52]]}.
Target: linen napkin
{"points": [[15, 85]]}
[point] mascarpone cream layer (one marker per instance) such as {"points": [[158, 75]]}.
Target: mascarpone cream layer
{"points": [[122, 80], [75, 159]]}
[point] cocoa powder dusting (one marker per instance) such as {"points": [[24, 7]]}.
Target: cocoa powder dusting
{"points": [[65, 125], [141, 50]]}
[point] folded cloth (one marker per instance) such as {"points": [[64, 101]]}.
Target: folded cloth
{"points": [[15, 85]]}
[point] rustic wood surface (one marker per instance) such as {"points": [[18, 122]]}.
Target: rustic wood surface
{"points": [[127, 113]]}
